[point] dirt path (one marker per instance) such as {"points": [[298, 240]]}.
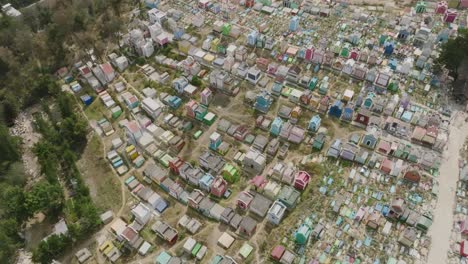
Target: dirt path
{"points": [[449, 171], [90, 241], [129, 85], [254, 241], [195, 148], [103, 155]]}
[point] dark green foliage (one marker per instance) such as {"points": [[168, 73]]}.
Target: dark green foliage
{"points": [[31, 50], [454, 53], [14, 174], [9, 109], [79, 23], [115, 4], [46, 154], [9, 240], [166, 50], [65, 103], [44, 16], [9, 147], [140, 61], [85, 215], [20, 204], [45, 86], [57, 153], [14, 203], [111, 25], [51, 248], [74, 130], [4, 68], [45, 197], [18, 3], [5, 21], [196, 81]]}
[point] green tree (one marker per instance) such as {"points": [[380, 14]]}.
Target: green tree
{"points": [[9, 109], [88, 217], [196, 81], [51, 248], [9, 240], [110, 26], [31, 50], [45, 86], [116, 4], [9, 147], [44, 16], [79, 22], [45, 197], [14, 202], [454, 53], [65, 105], [7, 32], [74, 130], [14, 175], [45, 150], [4, 68]]}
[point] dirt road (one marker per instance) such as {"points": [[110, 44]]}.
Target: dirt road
{"points": [[449, 171]]}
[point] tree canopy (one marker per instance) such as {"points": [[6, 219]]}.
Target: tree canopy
{"points": [[454, 53], [45, 39], [51, 248], [45, 197], [9, 147], [32, 48]]}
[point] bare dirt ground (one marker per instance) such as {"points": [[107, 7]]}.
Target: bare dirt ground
{"points": [[24, 128], [449, 171], [36, 229]]}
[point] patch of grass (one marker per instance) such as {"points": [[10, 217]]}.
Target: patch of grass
{"points": [[346, 163], [96, 110], [96, 171], [453, 3], [147, 234]]}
